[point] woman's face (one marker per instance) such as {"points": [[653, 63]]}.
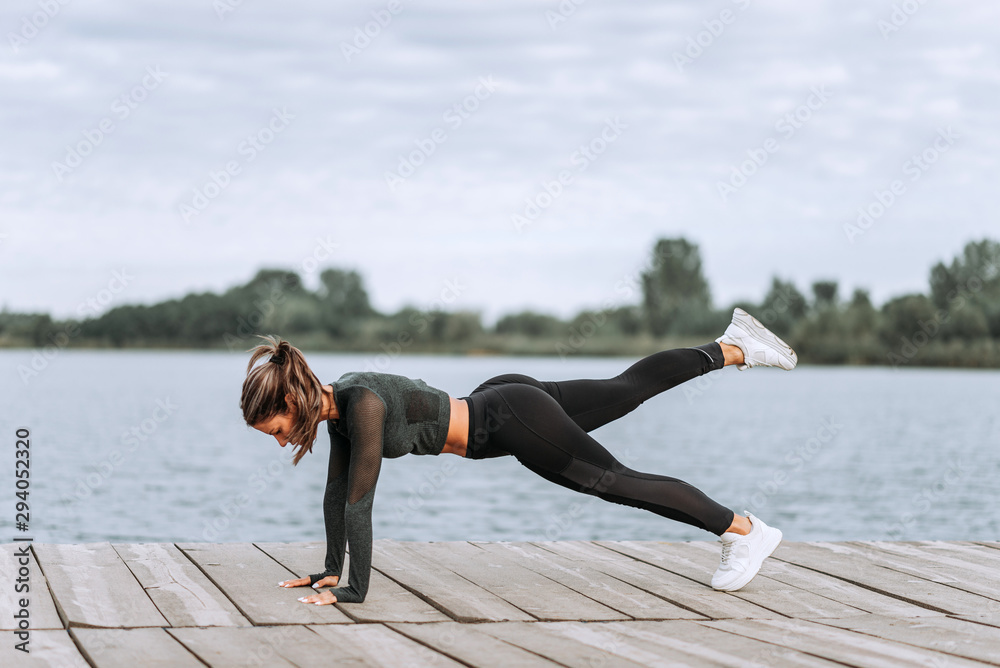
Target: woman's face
{"points": [[278, 426]]}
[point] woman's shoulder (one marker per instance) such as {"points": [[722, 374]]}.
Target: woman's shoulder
{"points": [[365, 388], [376, 380]]}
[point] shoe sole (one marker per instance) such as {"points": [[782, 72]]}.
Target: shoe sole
{"points": [[754, 328], [769, 547]]}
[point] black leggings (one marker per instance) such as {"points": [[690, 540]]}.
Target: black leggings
{"points": [[544, 424]]}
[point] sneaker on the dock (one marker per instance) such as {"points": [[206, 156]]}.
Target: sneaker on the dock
{"points": [[760, 346], [743, 555]]}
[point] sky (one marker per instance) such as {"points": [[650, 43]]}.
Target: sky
{"points": [[491, 156]]}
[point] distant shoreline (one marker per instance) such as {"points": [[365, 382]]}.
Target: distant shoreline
{"points": [[985, 355]]}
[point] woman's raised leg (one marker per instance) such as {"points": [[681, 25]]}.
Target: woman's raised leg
{"points": [[592, 403], [538, 432]]}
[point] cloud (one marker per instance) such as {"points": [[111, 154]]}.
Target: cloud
{"points": [[355, 118]]}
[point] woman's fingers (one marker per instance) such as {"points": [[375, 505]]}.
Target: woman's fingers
{"points": [[301, 582], [324, 598], [328, 581]]}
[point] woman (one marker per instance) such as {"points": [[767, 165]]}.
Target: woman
{"points": [[544, 424]]}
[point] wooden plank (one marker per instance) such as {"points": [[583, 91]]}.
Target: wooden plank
{"points": [[467, 644], [676, 643], [92, 586], [701, 558], [181, 592], [717, 646], [991, 618], [46, 649], [850, 564], [942, 634], [250, 579], [966, 550], [41, 607], [287, 646], [865, 600], [533, 593], [127, 648], [380, 646], [610, 637], [853, 649], [933, 566], [579, 576], [537, 638], [457, 597], [386, 600], [677, 589]]}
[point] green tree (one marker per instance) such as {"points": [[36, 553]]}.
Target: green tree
{"points": [[783, 306], [968, 291], [343, 301], [902, 318], [676, 297], [530, 323], [824, 294]]}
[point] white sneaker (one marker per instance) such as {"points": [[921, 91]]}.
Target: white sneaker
{"points": [[743, 555], [759, 344]]}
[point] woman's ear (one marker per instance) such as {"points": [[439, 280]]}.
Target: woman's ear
{"points": [[290, 402]]}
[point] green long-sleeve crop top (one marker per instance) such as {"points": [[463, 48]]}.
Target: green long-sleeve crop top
{"points": [[381, 415]]}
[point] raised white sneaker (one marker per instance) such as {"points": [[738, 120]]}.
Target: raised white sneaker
{"points": [[743, 555], [759, 344]]}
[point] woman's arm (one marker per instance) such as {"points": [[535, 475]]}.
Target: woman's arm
{"points": [[366, 422], [334, 506]]}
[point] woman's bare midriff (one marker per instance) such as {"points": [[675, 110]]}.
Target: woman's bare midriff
{"points": [[458, 428]]}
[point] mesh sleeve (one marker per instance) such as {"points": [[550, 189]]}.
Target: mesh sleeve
{"points": [[365, 426], [334, 502]]}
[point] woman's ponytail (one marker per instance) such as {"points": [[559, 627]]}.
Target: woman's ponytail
{"points": [[284, 372]]}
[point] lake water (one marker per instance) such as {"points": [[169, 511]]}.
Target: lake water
{"points": [[150, 446]]}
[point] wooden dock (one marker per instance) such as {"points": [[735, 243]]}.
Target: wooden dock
{"points": [[567, 603]]}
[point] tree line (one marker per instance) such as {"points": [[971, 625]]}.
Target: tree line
{"points": [[956, 322]]}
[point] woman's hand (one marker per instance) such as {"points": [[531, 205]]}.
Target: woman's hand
{"points": [[328, 581], [323, 598]]}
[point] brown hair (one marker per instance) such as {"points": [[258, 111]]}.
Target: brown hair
{"points": [[265, 387]]}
